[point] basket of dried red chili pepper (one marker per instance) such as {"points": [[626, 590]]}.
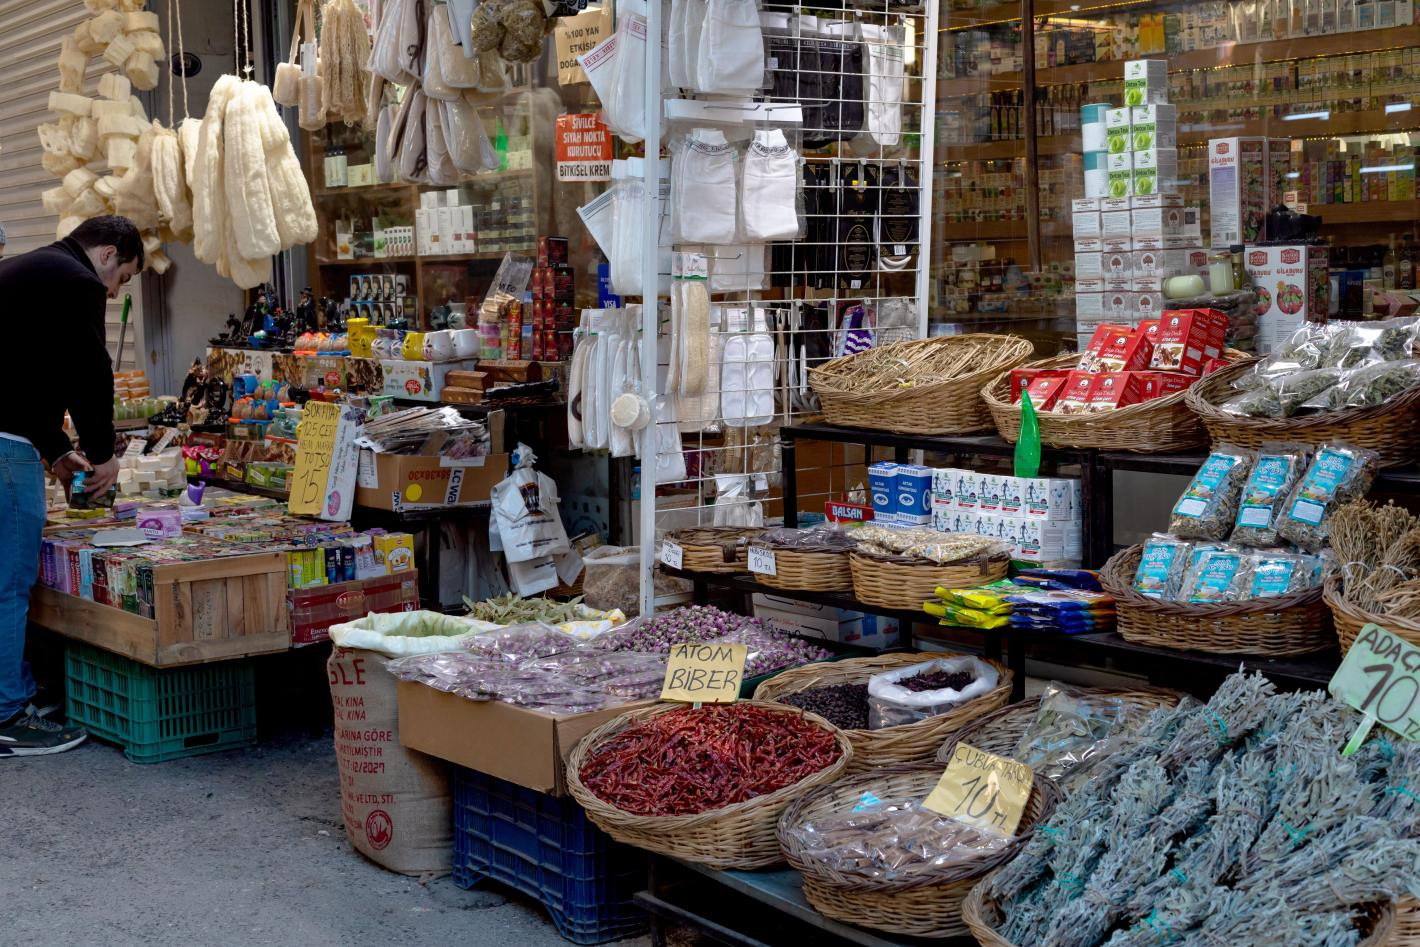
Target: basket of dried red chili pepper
{"points": [[872, 855], [705, 784]]}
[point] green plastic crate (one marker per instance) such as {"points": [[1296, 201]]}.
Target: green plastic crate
{"points": [[160, 714]]}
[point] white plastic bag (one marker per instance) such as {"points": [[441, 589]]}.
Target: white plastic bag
{"points": [[525, 508], [890, 704], [401, 633]]}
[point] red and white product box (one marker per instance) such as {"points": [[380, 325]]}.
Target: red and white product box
{"points": [[314, 610], [1187, 339], [1126, 350], [1115, 390], [1100, 336], [1075, 396], [1159, 384], [1045, 392], [1293, 286]]}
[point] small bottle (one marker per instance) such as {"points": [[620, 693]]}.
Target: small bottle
{"points": [[1220, 273], [1388, 266], [1405, 264], [1239, 270]]}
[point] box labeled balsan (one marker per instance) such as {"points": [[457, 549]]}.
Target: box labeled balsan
{"points": [[403, 481]]}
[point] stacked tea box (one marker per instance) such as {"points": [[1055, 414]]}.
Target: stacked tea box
{"points": [[1040, 517], [1132, 230]]}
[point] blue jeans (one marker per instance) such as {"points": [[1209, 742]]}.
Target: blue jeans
{"points": [[22, 513]]}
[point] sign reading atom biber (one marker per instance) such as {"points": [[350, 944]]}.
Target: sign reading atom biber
{"points": [[705, 673]]}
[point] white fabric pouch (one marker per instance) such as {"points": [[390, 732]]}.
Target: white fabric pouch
{"points": [[769, 191]]}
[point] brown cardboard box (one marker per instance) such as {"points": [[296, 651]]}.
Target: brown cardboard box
{"points": [[403, 481], [523, 746]]}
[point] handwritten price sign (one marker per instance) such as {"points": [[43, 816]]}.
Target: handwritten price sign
{"points": [[1380, 677], [704, 673], [983, 790]]}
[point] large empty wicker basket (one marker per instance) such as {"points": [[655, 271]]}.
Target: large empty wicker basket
{"points": [[929, 386]]}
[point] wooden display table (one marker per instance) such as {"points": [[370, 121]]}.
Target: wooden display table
{"points": [[213, 610]]}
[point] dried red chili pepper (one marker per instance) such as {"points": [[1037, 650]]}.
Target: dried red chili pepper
{"points": [[691, 760]]}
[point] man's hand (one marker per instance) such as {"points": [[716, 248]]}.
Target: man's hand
{"points": [[67, 466], [103, 476]]}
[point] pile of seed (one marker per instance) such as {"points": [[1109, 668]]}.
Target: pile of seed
{"points": [[938, 680], [843, 705]]}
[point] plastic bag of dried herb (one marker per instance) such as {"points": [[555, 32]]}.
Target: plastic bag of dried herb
{"points": [[1273, 573], [1276, 472], [1297, 391], [1375, 384], [1161, 566], [1357, 344], [1221, 576], [1209, 505], [1266, 372], [1337, 474], [1260, 402]]}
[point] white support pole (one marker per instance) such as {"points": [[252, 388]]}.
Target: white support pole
{"points": [[650, 280]]}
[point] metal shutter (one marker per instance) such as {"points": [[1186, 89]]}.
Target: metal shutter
{"points": [[30, 34]]}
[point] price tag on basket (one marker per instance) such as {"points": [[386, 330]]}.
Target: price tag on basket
{"points": [[705, 673], [761, 560], [1380, 677], [983, 790], [672, 555]]}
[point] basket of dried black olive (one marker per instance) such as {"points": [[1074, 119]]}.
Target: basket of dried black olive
{"points": [[838, 691]]}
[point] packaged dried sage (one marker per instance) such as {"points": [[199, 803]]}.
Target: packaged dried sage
{"points": [[1209, 505], [1220, 576], [1276, 472], [1375, 384], [1273, 574], [1337, 474], [1259, 402], [1161, 566], [1295, 392]]}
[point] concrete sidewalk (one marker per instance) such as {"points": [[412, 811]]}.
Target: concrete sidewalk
{"points": [[237, 848]]}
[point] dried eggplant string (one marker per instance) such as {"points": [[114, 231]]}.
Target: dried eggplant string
{"points": [[1257, 831]]}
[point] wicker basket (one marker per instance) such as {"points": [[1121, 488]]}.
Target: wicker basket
{"points": [[1350, 619], [1392, 429], [907, 743], [814, 570], [1154, 426], [1271, 627], [999, 731], [904, 583], [1389, 924], [948, 406], [734, 836], [930, 909], [714, 548]]}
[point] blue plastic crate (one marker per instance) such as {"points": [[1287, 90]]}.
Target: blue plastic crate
{"points": [[160, 714], [544, 847]]}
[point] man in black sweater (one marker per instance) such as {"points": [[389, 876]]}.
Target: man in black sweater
{"points": [[55, 297]]}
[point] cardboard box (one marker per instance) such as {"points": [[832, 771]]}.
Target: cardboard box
{"points": [[882, 489], [1119, 169], [914, 495], [1239, 190], [989, 499], [313, 611], [1156, 171], [1153, 126], [401, 481], [527, 747], [1075, 396], [1187, 339], [1146, 82], [1121, 350], [1053, 498], [826, 621], [1293, 286], [1086, 223], [418, 381], [1115, 390], [1159, 384], [1116, 133], [1045, 391]]}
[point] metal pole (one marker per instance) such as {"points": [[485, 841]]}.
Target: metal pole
{"points": [[1030, 177], [650, 279], [925, 168]]}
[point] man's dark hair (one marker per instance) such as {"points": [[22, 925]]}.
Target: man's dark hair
{"points": [[111, 231]]}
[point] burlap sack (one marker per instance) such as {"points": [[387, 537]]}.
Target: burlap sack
{"points": [[397, 803]]}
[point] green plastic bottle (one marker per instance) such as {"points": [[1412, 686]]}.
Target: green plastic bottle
{"points": [[1028, 444]]}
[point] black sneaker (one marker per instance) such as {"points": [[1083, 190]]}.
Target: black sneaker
{"points": [[27, 734]]}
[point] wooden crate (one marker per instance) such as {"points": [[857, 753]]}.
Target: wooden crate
{"points": [[204, 611]]}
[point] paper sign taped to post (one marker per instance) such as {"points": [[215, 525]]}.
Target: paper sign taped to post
{"points": [[577, 36], [983, 790], [705, 673], [1380, 677]]}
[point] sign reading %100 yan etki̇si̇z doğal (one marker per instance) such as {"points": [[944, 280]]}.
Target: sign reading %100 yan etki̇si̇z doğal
{"points": [[705, 673], [1380, 677]]}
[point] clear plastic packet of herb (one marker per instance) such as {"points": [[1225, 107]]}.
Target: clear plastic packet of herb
{"points": [[1266, 372], [1375, 384], [1358, 344], [1260, 402], [1274, 474], [1161, 566], [1337, 474], [1219, 577], [1274, 573], [1297, 391], [1307, 346], [1209, 504]]}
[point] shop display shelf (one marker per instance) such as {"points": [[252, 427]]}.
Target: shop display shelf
{"points": [[1236, 54], [545, 847], [160, 714]]}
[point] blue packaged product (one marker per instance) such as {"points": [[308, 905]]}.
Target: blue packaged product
{"points": [[882, 487], [914, 495]]}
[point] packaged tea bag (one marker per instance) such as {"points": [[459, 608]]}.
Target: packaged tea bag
{"points": [[1209, 505]]}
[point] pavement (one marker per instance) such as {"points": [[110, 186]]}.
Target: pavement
{"points": [[238, 848]]}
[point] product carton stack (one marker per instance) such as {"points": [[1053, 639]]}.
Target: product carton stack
{"points": [[1132, 230], [1039, 517]]}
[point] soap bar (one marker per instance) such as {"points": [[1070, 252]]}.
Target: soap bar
{"points": [[1182, 287]]}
